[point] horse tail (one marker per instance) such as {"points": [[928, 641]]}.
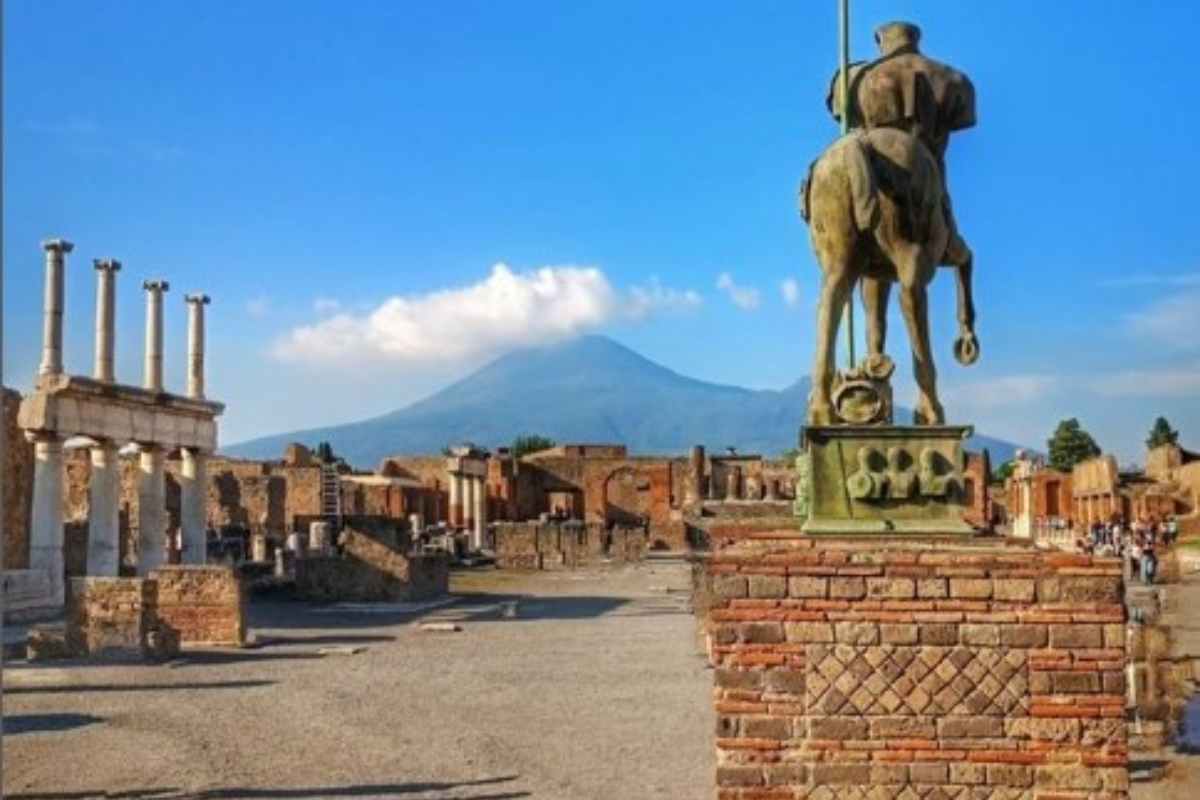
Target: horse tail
{"points": [[864, 197]]}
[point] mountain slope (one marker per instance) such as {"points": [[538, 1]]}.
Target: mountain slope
{"points": [[591, 389]]}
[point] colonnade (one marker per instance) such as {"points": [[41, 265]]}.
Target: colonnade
{"points": [[111, 416], [468, 500]]}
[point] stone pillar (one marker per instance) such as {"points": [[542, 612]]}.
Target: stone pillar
{"points": [[480, 512], [456, 493], [772, 489], [193, 505], [52, 311], [318, 537], [46, 541], [104, 521], [153, 379], [106, 312], [195, 375], [733, 479], [258, 547], [152, 510], [695, 476], [468, 504]]}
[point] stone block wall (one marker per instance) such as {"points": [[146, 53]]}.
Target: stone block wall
{"points": [[369, 570], [16, 475], [872, 669], [201, 605], [114, 618], [566, 545]]}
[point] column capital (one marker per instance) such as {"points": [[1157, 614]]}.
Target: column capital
{"points": [[106, 264], [156, 286], [57, 245], [198, 299]]}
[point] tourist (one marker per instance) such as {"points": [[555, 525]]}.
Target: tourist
{"points": [[1149, 562], [1172, 533], [1135, 555]]}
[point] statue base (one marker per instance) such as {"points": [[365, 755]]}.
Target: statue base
{"points": [[885, 479]]}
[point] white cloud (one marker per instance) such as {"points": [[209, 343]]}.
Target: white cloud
{"points": [[1183, 380], [258, 307], [746, 298], [505, 310], [1172, 320], [1002, 390], [790, 289], [324, 306], [645, 300]]}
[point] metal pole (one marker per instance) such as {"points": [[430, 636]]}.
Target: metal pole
{"points": [[4, 476], [844, 54]]}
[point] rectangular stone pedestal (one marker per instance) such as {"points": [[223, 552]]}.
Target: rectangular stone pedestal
{"points": [[886, 480], [899, 668]]}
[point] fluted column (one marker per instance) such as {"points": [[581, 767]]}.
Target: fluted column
{"points": [[46, 540], [152, 510], [153, 379], [195, 374], [52, 306], [104, 521], [193, 502], [106, 311], [468, 521], [480, 512], [456, 493]]}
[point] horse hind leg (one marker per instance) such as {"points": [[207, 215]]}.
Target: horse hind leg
{"points": [[915, 306], [835, 290], [875, 292]]}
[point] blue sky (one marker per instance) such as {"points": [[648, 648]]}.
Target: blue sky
{"points": [[343, 179]]}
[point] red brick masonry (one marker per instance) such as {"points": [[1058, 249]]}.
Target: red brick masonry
{"points": [[900, 669]]}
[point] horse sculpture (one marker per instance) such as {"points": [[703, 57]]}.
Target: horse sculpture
{"points": [[874, 202]]}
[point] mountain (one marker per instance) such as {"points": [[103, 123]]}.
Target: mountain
{"points": [[590, 389]]}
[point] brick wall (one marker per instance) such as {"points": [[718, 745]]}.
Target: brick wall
{"points": [[565, 545], [17, 475], [202, 605], [113, 618], [864, 669], [369, 570]]}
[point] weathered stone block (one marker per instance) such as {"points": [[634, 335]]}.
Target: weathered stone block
{"points": [[971, 588], [841, 774], [933, 588], [970, 727], [728, 587], [762, 632], [739, 776], [785, 681], [1075, 682], [902, 728], [1068, 777], [1014, 590], [939, 634], [808, 631], [767, 586], [968, 774], [981, 635], [1057, 729], [929, 773], [808, 587], [857, 632], [838, 728], [737, 678], [847, 588], [1076, 636], [891, 588], [766, 728], [1009, 775], [1024, 636], [785, 774], [891, 633], [888, 774]]}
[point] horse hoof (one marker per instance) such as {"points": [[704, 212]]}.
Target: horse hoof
{"points": [[966, 349]]}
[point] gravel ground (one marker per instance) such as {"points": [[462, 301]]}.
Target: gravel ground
{"points": [[596, 689]]}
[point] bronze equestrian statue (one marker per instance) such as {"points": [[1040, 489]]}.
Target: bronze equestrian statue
{"points": [[879, 212]]}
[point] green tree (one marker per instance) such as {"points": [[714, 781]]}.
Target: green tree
{"points": [[1070, 445], [531, 443], [1002, 473], [1162, 433]]}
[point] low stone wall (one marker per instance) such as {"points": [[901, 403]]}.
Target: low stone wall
{"points": [[565, 545], [202, 605], [871, 668], [369, 570], [114, 618]]}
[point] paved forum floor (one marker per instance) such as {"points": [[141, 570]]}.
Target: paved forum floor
{"points": [[595, 690]]}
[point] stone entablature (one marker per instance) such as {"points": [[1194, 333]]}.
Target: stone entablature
{"points": [[72, 405], [900, 668]]}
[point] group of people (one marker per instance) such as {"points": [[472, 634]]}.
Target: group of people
{"points": [[1140, 542]]}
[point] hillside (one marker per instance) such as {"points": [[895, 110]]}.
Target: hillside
{"points": [[591, 389]]}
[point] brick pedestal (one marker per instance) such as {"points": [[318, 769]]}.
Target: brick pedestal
{"points": [[896, 669]]}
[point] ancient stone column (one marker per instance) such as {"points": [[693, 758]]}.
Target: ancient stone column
{"points": [[195, 375], [46, 528], [104, 521], [733, 479], [153, 379], [318, 537], [152, 509], [52, 308], [456, 493], [193, 506], [480, 513], [468, 504], [106, 311], [258, 547], [695, 476]]}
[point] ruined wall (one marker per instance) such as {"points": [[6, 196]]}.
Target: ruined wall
{"points": [[369, 570], [851, 669], [566, 545], [112, 618], [201, 605], [17, 479]]}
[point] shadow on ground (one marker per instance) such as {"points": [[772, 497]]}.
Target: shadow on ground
{"points": [[301, 793], [134, 687], [46, 723]]}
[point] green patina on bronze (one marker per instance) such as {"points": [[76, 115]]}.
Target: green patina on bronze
{"points": [[884, 479]]}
